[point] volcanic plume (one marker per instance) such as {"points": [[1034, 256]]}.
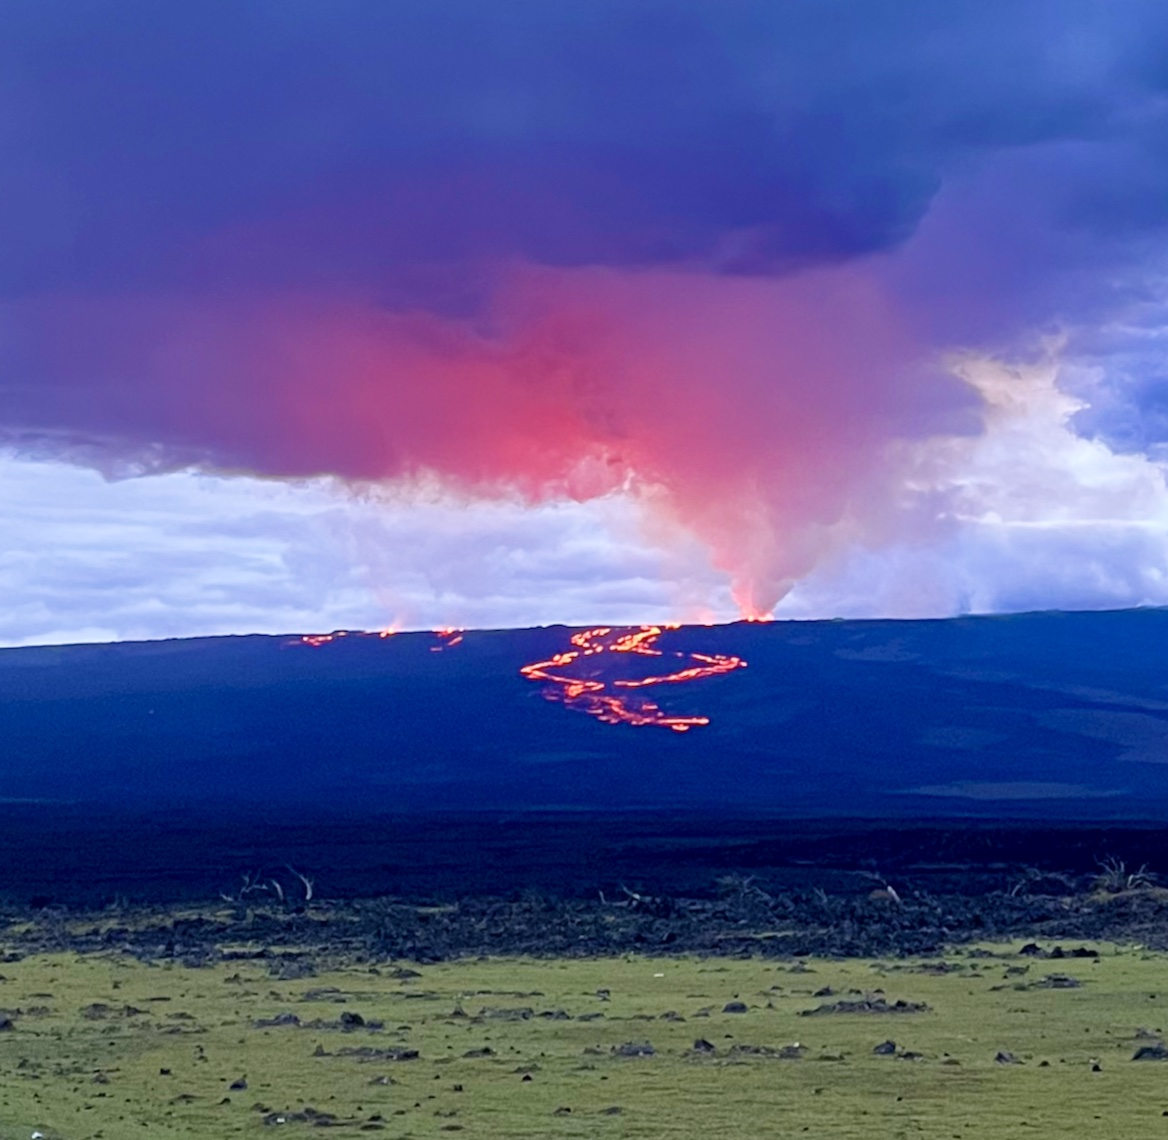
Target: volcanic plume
{"points": [[710, 256], [752, 411]]}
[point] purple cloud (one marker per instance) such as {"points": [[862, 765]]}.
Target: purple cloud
{"points": [[713, 252]]}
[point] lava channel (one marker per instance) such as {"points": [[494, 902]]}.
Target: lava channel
{"points": [[594, 696]]}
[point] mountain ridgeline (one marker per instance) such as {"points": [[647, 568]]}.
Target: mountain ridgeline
{"points": [[1045, 715]]}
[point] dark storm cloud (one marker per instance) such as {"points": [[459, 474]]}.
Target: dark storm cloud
{"points": [[315, 144]]}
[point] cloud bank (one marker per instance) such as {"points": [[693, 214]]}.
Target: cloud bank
{"points": [[184, 555], [716, 258]]}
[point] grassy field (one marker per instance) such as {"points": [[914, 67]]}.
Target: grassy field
{"points": [[115, 1048]]}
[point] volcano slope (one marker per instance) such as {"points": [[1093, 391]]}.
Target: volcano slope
{"points": [[1047, 716], [533, 915]]}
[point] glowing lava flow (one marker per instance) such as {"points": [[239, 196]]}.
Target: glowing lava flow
{"points": [[589, 695], [449, 636], [316, 640]]}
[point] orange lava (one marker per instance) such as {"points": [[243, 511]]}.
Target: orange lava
{"points": [[590, 695], [448, 636], [319, 639]]}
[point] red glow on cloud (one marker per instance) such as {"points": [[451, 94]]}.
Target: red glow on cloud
{"points": [[754, 413]]}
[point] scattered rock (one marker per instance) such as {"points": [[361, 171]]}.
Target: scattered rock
{"points": [[292, 969], [634, 1049], [280, 1019], [936, 969], [306, 1116], [1156, 1052], [867, 1006], [523, 1013], [368, 1053]]}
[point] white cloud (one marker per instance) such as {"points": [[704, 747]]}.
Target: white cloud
{"points": [[83, 559], [1027, 515]]}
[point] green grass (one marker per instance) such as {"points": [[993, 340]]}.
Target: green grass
{"points": [[198, 1023]]}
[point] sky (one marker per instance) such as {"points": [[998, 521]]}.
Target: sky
{"points": [[448, 313]]}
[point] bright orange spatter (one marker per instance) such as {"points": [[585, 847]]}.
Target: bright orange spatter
{"points": [[590, 695]]}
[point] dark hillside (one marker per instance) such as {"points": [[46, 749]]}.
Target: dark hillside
{"points": [[1048, 715]]}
